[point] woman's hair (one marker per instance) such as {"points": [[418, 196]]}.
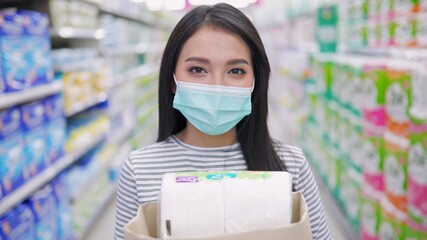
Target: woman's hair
{"points": [[252, 131]]}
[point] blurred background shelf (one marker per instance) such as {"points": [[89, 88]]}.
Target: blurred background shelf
{"points": [[15, 98], [44, 177]]}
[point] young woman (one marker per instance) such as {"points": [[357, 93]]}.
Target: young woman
{"points": [[213, 114]]}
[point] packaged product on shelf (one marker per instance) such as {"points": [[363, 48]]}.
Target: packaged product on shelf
{"points": [[18, 224], [25, 49], [12, 161], [14, 49], [374, 122], [37, 31], [73, 14], [398, 99], [402, 29], [351, 194], [396, 175], [417, 177], [418, 108], [392, 223], [62, 196], [374, 33], [370, 219], [373, 169], [55, 127], [414, 231], [33, 124], [356, 141], [45, 210], [421, 29]]}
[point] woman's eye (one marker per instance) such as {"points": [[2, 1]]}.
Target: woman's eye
{"points": [[197, 70], [237, 71]]}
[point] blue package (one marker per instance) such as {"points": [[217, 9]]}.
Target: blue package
{"points": [[62, 196], [18, 224], [16, 66], [37, 34], [55, 127], [44, 208], [12, 162], [33, 124]]}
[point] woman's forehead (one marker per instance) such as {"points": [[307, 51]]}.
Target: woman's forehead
{"points": [[215, 43]]}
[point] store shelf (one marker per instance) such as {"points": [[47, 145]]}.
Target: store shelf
{"points": [[150, 47], [44, 177], [101, 97], [133, 74], [90, 63], [109, 196], [75, 33], [36, 92], [337, 213], [136, 18], [399, 53], [140, 48]]}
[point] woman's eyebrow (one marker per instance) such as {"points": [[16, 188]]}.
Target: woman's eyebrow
{"points": [[229, 62], [237, 61], [197, 59]]}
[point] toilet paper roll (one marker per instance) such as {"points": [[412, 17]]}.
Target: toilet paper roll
{"points": [[196, 204], [190, 206]]}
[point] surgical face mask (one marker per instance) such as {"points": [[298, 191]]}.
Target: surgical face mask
{"points": [[212, 109]]}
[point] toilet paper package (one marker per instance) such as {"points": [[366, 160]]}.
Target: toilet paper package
{"points": [[392, 222], [396, 175], [195, 204], [417, 177], [370, 218]]}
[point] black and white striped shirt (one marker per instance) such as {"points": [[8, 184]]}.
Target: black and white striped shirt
{"points": [[140, 179]]}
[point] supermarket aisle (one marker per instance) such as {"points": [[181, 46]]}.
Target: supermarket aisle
{"points": [[104, 227]]}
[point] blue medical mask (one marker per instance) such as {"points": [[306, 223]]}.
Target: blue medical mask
{"points": [[212, 109]]}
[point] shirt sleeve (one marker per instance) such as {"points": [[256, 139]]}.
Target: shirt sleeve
{"points": [[127, 199], [306, 184]]}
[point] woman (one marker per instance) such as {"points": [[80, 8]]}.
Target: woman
{"points": [[213, 114]]}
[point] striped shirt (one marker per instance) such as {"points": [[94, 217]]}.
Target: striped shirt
{"points": [[141, 176]]}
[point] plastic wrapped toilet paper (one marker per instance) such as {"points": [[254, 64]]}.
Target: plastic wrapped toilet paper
{"points": [[195, 204]]}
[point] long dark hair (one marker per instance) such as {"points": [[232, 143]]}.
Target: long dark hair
{"points": [[252, 131]]}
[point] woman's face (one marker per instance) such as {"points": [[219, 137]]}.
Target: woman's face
{"points": [[213, 56]]}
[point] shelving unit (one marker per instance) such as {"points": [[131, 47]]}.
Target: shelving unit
{"points": [[131, 75], [44, 177], [75, 33], [100, 98], [109, 196], [15, 98], [140, 48], [398, 53], [338, 215], [79, 65]]}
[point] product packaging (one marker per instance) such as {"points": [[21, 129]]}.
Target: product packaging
{"points": [[226, 202], [62, 197], [12, 161], [392, 222], [44, 208], [33, 124], [144, 226], [55, 127], [374, 122], [417, 177], [18, 224], [370, 218], [14, 47], [351, 194]]}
